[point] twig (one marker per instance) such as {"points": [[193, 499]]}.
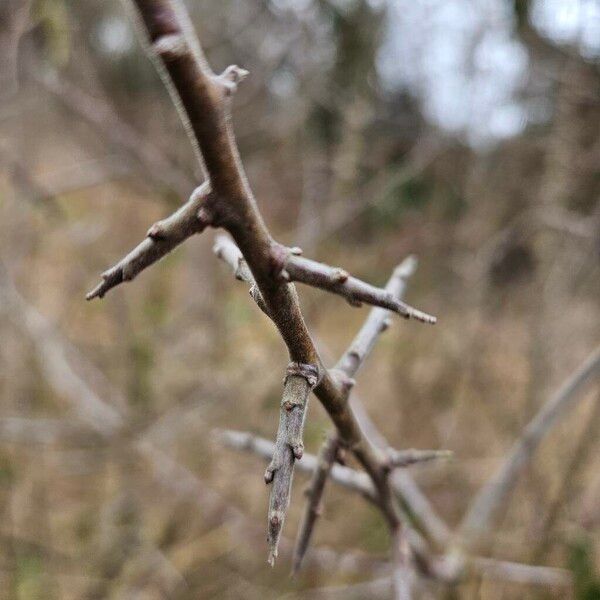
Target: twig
{"points": [[102, 116], [225, 249], [289, 447], [313, 508], [193, 217], [415, 504], [494, 493], [292, 267], [406, 458], [356, 292], [203, 99], [346, 477]]}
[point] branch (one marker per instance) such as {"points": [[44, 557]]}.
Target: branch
{"points": [[414, 503], [346, 477], [338, 281], [402, 575], [289, 266], [491, 497], [193, 217], [289, 447], [322, 470], [203, 100], [313, 508], [406, 458], [225, 249]]}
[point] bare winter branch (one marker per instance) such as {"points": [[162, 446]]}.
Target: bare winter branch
{"points": [[338, 281], [313, 508], [193, 217], [491, 497], [289, 447], [202, 99], [346, 477], [406, 458], [377, 321]]}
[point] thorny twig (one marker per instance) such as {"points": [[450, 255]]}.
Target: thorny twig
{"points": [[289, 447], [203, 100]]}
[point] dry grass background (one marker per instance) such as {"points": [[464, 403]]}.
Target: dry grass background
{"points": [[517, 302]]}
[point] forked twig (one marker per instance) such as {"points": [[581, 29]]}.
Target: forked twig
{"points": [[314, 494]]}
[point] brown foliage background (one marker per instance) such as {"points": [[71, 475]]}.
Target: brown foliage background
{"points": [[507, 237]]}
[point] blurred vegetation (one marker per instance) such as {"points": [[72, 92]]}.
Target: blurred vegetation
{"points": [[350, 168]]}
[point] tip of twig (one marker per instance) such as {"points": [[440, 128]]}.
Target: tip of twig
{"points": [[236, 73], [97, 292], [407, 267], [273, 534], [410, 312], [423, 317]]}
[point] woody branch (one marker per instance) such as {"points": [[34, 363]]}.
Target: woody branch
{"points": [[204, 101]]}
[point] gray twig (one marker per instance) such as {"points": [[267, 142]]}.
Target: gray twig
{"points": [[162, 237], [346, 477], [289, 447], [339, 281], [406, 458]]}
